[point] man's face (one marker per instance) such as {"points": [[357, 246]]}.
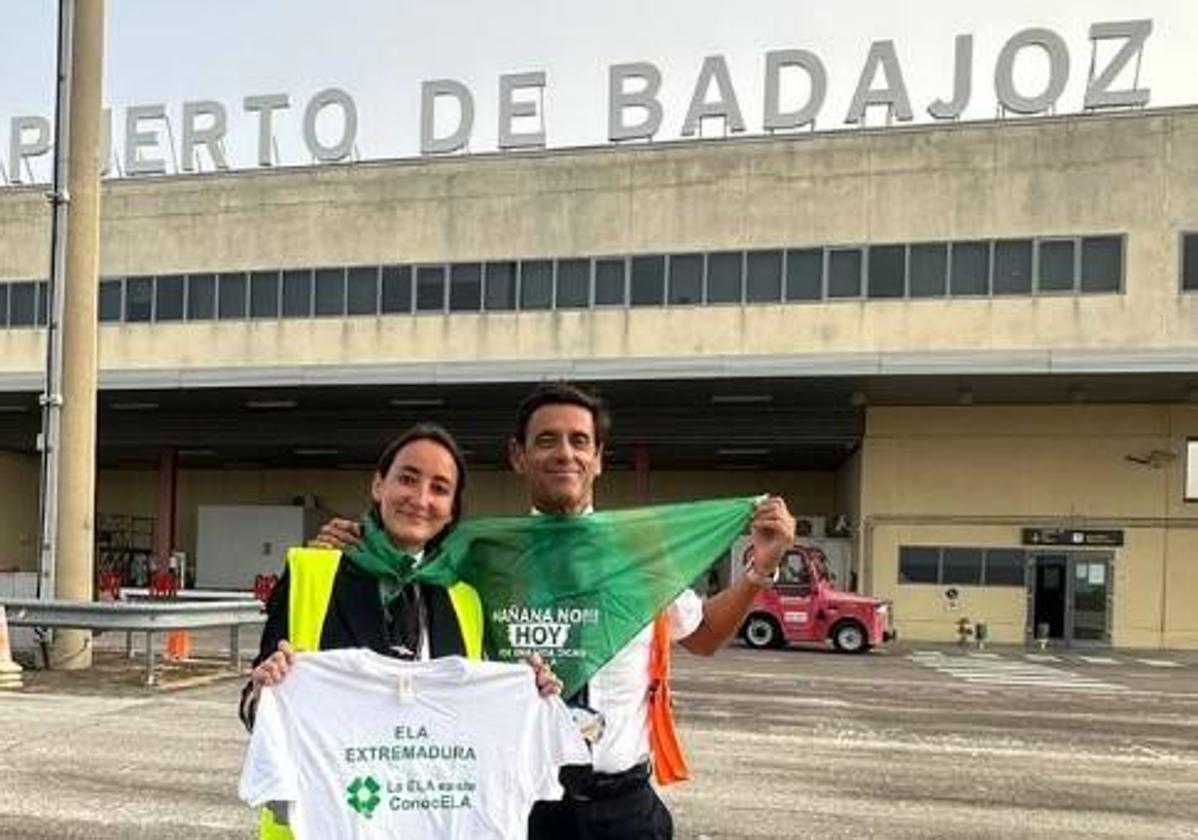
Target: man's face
{"points": [[559, 458]]}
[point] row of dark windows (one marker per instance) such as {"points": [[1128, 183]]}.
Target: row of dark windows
{"points": [[962, 566], [976, 268]]}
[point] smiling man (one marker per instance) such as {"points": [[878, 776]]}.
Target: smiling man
{"points": [[558, 447]]}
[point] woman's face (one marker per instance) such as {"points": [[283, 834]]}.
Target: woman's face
{"points": [[415, 497]]}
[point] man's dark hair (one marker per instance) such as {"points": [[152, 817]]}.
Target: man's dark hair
{"points": [[563, 393], [437, 434]]}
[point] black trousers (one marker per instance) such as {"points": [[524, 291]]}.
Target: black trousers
{"points": [[638, 814]]}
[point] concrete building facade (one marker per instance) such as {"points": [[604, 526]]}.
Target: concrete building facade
{"points": [[952, 336]]}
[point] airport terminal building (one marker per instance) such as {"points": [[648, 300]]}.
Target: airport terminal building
{"points": [[976, 342]]}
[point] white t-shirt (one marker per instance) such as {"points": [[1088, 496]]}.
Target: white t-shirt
{"points": [[620, 690], [359, 745]]}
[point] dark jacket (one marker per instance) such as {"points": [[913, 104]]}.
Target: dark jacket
{"points": [[355, 619]]}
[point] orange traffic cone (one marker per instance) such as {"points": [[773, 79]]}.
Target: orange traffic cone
{"points": [[178, 645]]}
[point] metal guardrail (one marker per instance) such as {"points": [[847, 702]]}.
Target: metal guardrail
{"points": [[139, 617]]}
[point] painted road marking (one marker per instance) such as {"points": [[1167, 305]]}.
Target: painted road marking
{"points": [[999, 672], [1159, 663], [1099, 660]]}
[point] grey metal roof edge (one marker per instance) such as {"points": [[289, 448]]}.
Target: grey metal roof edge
{"points": [[814, 365]]}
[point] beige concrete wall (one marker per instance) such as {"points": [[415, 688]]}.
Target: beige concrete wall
{"points": [[133, 492], [974, 476], [18, 512], [1134, 174]]}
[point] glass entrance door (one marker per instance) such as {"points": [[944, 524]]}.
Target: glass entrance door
{"points": [[1069, 597], [1090, 599]]}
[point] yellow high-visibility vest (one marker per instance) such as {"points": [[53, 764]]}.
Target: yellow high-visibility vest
{"points": [[310, 573]]}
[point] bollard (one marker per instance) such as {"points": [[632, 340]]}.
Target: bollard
{"points": [[10, 672], [1042, 631], [980, 634], [964, 631]]}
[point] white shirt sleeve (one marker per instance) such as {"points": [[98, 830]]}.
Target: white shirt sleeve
{"points": [[268, 774], [685, 614], [559, 744]]}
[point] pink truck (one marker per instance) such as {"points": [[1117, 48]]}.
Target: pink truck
{"points": [[806, 606]]}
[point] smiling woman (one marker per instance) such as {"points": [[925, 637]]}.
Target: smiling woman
{"points": [[330, 599]]}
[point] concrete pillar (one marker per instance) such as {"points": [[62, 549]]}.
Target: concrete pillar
{"points": [[640, 469], [164, 527], [75, 543]]}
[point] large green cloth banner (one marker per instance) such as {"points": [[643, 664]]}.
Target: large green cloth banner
{"points": [[577, 589]]}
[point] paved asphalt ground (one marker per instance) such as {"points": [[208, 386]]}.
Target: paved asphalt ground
{"points": [[918, 742]]}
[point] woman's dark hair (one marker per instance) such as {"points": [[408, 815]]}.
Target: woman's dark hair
{"points": [[438, 435]]}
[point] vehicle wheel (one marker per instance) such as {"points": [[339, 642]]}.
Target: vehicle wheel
{"points": [[761, 631], [849, 637]]}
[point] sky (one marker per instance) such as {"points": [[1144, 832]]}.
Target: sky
{"points": [[379, 52]]}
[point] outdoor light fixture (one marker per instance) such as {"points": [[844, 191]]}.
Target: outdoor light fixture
{"points": [[416, 402], [13, 409], [743, 451], [271, 403], [133, 406], [317, 451], [741, 399]]}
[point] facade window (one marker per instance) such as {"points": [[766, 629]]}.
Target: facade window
{"points": [[686, 279], [648, 286], [610, 281], [929, 270], [962, 566], [43, 302], [430, 288], [805, 274], [297, 293], [330, 291], [536, 284], [1056, 272], [362, 290], [3, 304], [763, 282], [22, 304], [1013, 267], [397, 289], [1102, 264], [887, 271], [844, 272], [231, 296], [465, 287], [264, 294], [1005, 567], [201, 297], [110, 301], [500, 289], [139, 299], [725, 277], [1189, 262], [918, 564], [169, 297], [970, 273], [573, 289]]}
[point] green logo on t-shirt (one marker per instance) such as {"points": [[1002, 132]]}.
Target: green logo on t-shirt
{"points": [[363, 795]]}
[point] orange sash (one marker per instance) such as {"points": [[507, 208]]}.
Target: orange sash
{"points": [[669, 764]]}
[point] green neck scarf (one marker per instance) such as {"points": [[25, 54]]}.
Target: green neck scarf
{"points": [[379, 558], [577, 589]]}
